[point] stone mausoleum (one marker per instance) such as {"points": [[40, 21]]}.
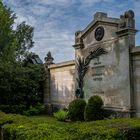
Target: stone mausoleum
{"points": [[107, 63]]}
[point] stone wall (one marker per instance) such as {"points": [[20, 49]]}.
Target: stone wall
{"points": [[108, 75], [136, 78], [61, 84], [107, 64]]}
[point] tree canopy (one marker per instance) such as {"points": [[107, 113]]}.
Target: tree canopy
{"points": [[21, 81], [15, 43]]}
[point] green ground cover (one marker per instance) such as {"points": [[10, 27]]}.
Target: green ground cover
{"points": [[17, 127]]}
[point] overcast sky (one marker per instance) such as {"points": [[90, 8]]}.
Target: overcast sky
{"points": [[56, 21]]}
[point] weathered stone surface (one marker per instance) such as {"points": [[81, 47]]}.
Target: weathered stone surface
{"points": [[114, 75], [62, 83], [135, 52], [109, 75]]}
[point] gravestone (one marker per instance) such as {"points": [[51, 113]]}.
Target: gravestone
{"points": [[106, 43]]}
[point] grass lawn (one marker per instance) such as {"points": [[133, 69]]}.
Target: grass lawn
{"points": [[17, 127]]}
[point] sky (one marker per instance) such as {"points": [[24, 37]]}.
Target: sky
{"points": [[56, 21]]}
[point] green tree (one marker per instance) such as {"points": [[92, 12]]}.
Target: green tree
{"points": [[21, 82], [23, 36], [13, 43], [6, 31]]}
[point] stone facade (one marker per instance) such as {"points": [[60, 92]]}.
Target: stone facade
{"points": [[61, 84], [135, 53], [107, 64], [109, 75]]}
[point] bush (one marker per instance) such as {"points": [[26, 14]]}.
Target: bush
{"points": [[132, 133], [5, 108], [23, 86], [38, 109], [93, 110], [21, 109], [76, 109], [61, 115], [13, 108]]}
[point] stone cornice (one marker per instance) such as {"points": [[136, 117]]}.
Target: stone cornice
{"points": [[63, 64], [135, 51], [126, 31], [95, 23]]}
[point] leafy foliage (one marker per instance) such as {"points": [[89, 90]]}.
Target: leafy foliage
{"points": [[61, 115], [43, 127], [6, 32], [23, 35], [14, 44], [38, 109], [13, 108], [93, 110], [76, 109], [21, 83]]}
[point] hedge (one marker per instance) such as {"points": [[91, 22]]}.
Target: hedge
{"points": [[17, 127]]}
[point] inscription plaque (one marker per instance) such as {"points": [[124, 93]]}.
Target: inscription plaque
{"points": [[98, 73], [98, 70]]}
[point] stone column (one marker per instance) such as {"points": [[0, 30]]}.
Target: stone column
{"points": [[48, 61]]}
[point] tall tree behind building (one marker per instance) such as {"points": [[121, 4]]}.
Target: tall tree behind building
{"points": [[20, 84]]}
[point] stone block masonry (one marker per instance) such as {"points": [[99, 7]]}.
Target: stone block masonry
{"points": [[107, 63]]}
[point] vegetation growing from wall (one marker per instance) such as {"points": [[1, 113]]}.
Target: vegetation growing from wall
{"points": [[42, 127]]}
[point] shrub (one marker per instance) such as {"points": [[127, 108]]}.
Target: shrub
{"points": [[131, 133], [13, 108], [17, 127], [21, 109], [93, 110], [5, 108], [61, 115], [38, 109], [76, 109]]}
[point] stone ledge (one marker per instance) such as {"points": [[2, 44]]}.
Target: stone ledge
{"points": [[63, 64], [126, 31], [135, 50]]}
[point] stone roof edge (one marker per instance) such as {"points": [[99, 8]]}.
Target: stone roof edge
{"points": [[104, 20], [135, 50], [62, 64]]}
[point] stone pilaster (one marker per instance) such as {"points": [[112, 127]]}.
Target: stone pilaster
{"points": [[48, 61], [126, 32]]}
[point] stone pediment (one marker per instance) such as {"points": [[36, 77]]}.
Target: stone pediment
{"points": [[100, 19], [103, 28]]}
